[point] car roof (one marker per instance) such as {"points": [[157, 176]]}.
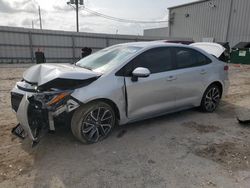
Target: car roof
{"points": [[153, 44]]}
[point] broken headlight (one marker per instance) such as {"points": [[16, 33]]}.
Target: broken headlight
{"points": [[58, 98], [52, 99]]}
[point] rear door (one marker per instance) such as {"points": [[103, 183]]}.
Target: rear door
{"points": [[191, 73], [154, 94]]}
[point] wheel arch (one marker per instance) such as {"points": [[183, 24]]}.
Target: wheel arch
{"points": [[217, 83], [111, 103], [202, 105]]}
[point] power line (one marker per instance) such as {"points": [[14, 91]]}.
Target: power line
{"points": [[121, 19]]}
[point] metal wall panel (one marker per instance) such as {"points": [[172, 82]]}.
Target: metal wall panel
{"points": [[20, 44], [3, 50], [58, 52], [239, 28], [201, 20], [14, 52], [119, 41], [90, 42], [22, 52], [156, 32], [51, 40], [13, 38]]}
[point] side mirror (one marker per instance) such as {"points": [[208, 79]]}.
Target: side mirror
{"points": [[140, 72]]}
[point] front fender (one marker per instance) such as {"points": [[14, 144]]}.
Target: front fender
{"points": [[114, 91]]}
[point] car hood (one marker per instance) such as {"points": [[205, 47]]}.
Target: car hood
{"points": [[209, 47], [43, 74]]}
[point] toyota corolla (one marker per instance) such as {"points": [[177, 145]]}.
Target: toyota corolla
{"points": [[118, 85]]}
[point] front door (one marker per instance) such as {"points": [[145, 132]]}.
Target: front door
{"points": [[156, 93]]}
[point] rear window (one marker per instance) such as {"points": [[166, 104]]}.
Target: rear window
{"points": [[186, 58]]}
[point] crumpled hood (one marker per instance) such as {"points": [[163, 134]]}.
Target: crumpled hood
{"points": [[43, 73]]}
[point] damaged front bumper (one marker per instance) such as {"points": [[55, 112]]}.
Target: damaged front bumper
{"points": [[37, 111]]}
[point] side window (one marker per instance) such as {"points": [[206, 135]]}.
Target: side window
{"points": [[202, 59], [156, 60], [186, 58]]}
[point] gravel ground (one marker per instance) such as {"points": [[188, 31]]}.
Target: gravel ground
{"points": [[184, 149]]}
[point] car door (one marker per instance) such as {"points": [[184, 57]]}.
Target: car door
{"points": [[191, 73], [154, 94]]}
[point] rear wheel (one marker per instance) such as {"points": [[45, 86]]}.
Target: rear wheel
{"points": [[93, 122], [211, 99]]}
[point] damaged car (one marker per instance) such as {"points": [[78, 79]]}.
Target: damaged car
{"points": [[119, 85]]}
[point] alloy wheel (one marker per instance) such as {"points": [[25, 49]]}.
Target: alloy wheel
{"points": [[97, 124], [212, 99]]}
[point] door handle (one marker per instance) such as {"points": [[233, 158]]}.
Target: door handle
{"points": [[203, 71], [171, 78]]}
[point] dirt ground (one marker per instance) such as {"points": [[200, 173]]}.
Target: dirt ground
{"points": [[185, 149]]}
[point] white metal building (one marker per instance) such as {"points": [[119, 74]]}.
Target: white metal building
{"points": [[211, 20], [156, 32]]}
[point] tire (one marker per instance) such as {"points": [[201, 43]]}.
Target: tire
{"points": [[211, 99], [93, 122]]}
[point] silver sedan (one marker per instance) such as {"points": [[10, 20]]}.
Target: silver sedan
{"points": [[118, 85]]}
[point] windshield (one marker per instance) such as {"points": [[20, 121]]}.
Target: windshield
{"points": [[107, 58]]}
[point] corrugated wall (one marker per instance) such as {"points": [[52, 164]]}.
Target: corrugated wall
{"points": [[239, 28], [20, 44], [156, 32], [201, 20]]}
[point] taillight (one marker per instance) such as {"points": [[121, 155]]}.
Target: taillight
{"points": [[226, 68]]}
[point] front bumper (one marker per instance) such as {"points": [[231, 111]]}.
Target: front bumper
{"points": [[34, 116], [22, 117]]}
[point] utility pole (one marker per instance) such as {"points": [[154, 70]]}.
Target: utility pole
{"points": [[77, 20], [76, 3], [40, 18], [32, 22]]}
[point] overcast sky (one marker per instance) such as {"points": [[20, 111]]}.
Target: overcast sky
{"points": [[57, 15]]}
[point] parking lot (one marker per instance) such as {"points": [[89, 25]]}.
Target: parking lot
{"points": [[184, 149]]}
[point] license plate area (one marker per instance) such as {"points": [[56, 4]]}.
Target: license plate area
{"points": [[19, 131]]}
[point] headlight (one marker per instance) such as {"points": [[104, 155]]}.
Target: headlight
{"points": [[58, 98], [52, 98]]}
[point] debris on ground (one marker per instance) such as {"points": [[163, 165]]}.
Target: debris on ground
{"points": [[232, 156], [200, 128]]}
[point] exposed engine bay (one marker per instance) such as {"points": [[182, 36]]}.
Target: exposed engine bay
{"points": [[44, 94]]}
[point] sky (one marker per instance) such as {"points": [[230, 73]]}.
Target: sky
{"points": [[57, 15]]}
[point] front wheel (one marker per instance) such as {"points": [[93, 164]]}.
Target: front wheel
{"points": [[211, 99], [93, 122]]}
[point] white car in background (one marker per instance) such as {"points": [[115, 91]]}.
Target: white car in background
{"points": [[118, 85]]}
